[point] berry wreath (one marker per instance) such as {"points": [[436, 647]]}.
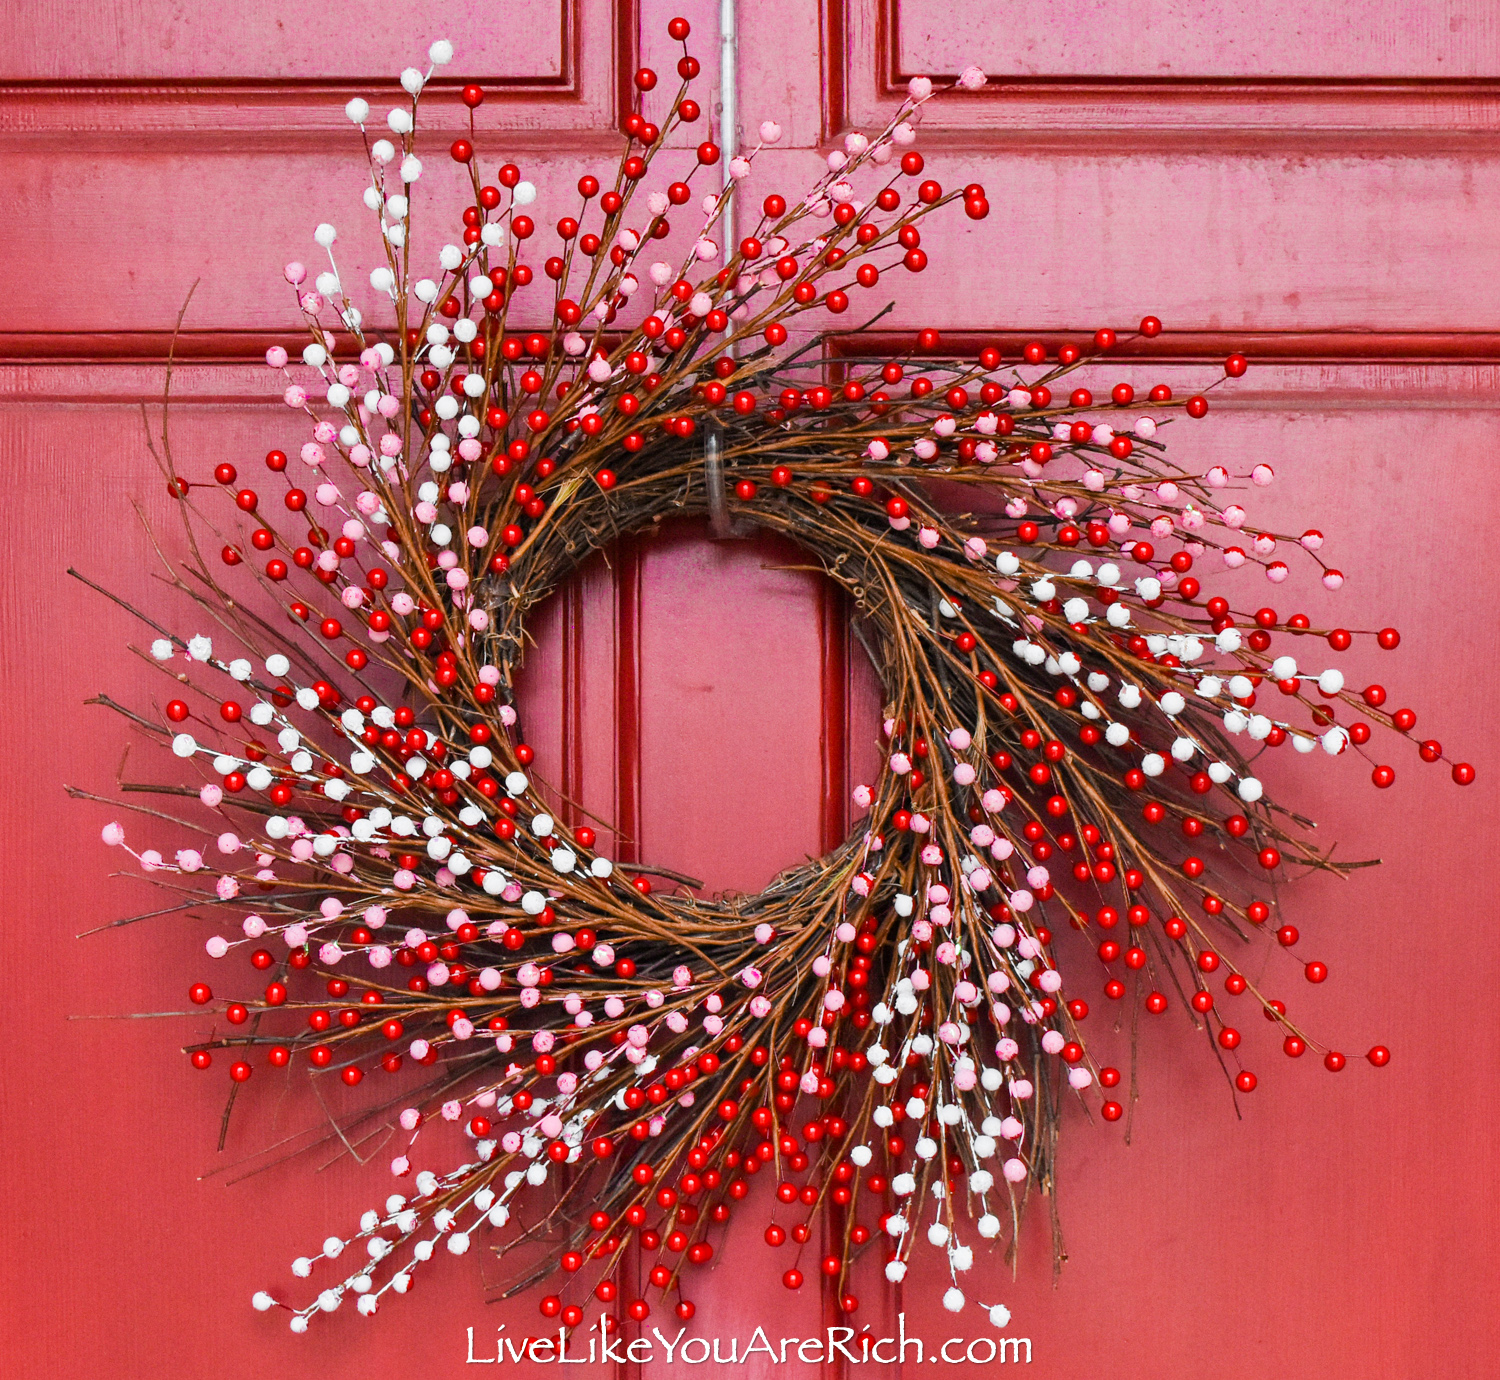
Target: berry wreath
{"points": [[887, 1031]]}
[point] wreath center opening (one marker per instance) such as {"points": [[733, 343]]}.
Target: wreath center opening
{"points": [[705, 700]]}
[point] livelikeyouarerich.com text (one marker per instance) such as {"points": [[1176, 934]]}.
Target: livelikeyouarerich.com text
{"points": [[597, 1347]]}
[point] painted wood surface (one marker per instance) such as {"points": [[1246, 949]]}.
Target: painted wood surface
{"points": [[1315, 183]]}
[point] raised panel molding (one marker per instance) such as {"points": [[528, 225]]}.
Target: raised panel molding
{"points": [[1176, 347], [864, 76], [1197, 347], [1312, 371], [1304, 371], [579, 83], [60, 362]]}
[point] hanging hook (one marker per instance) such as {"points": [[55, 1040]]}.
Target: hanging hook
{"points": [[722, 525]]}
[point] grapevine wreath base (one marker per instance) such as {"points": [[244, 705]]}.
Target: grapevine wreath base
{"points": [[887, 1035]]}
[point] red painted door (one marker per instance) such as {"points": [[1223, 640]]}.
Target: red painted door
{"points": [[1312, 183]]}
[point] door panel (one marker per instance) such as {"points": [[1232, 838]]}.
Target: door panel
{"points": [[1264, 40], [219, 41], [1312, 183]]}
